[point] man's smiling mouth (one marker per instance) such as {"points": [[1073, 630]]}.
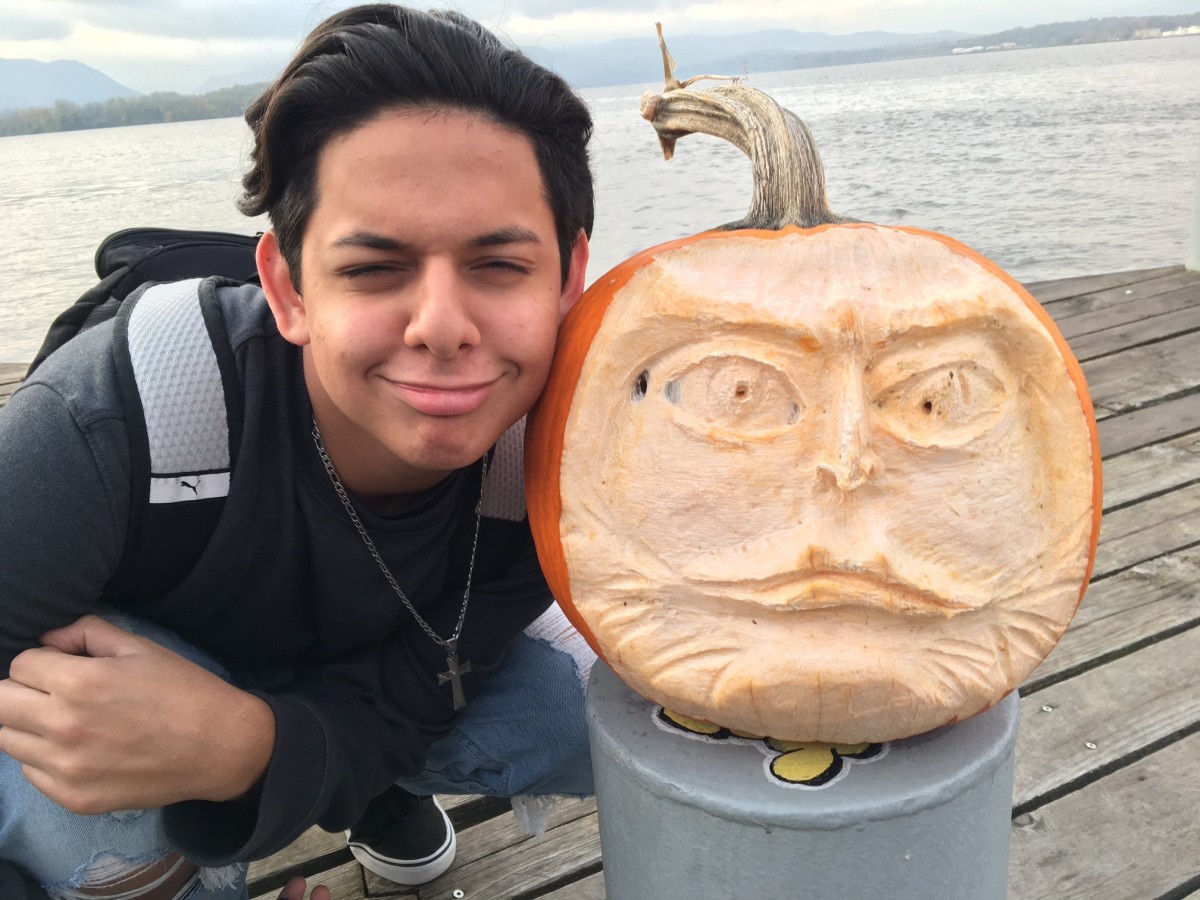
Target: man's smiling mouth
{"points": [[442, 400]]}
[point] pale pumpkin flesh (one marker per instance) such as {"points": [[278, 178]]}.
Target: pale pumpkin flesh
{"points": [[812, 480], [833, 485]]}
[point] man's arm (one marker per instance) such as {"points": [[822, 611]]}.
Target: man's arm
{"points": [[66, 498], [64, 476], [102, 719]]}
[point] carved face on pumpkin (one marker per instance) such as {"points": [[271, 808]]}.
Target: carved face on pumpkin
{"points": [[843, 496]]}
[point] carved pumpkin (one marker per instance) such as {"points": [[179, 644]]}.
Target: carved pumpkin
{"points": [[809, 478]]}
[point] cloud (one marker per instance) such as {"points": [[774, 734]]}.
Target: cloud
{"points": [[17, 27], [193, 19], [179, 44]]}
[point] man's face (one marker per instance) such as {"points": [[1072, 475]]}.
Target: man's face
{"points": [[842, 476], [430, 295]]}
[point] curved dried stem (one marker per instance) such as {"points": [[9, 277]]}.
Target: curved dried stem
{"points": [[788, 178]]}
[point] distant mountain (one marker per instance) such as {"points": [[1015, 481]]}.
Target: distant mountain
{"points": [[262, 74], [637, 60], [26, 82]]}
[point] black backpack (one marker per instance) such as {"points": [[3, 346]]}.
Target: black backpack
{"points": [[168, 333], [134, 257]]}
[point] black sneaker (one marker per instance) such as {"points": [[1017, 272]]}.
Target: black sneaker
{"points": [[405, 838]]}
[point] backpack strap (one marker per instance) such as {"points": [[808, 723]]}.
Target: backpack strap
{"points": [[183, 403]]}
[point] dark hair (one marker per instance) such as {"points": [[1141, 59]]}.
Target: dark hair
{"points": [[369, 59]]}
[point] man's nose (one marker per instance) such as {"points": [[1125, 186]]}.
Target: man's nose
{"points": [[441, 318], [845, 457]]}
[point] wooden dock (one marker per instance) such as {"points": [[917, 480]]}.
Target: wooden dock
{"points": [[1107, 795]]}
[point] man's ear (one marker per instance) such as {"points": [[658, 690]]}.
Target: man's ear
{"points": [[576, 276], [286, 304]]}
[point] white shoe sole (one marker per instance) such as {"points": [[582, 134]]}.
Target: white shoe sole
{"points": [[414, 872]]}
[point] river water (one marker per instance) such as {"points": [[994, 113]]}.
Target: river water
{"points": [[1052, 162]]}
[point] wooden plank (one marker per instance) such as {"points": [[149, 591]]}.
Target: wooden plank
{"points": [[1149, 329], [344, 883], [1149, 425], [1139, 605], [295, 858], [1119, 305], [526, 868], [1152, 469], [504, 832], [495, 840], [317, 848], [1133, 834], [1108, 597], [11, 375], [1105, 715], [1139, 376], [1050, 292], [589, 888], [1149, 529]]}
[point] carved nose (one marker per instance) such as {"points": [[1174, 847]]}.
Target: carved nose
{"points": [[848, 461], [848, 475]]}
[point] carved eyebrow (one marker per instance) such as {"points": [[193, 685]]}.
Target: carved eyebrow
{"points": [[941, 332], [789, 335]]}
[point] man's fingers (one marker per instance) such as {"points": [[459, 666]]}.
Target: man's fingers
{"points": [[21, 708], [294, 890], [48, 670], [23, 746], [93, 636]]}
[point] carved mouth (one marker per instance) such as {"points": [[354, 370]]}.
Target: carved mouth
{"points": [[830, 588]]}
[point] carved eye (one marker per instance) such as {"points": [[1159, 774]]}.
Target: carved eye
{"points": [[732, 397], [946, 405]]}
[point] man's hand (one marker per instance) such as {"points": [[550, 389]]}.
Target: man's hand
{"points": [[294, 890], [102, 719]]}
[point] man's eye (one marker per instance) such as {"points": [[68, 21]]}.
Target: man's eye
{"points": [[366, 271], [505, 265], [945, 405]]}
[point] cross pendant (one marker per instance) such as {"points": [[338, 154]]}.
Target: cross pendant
{"points": [[456, 671]]}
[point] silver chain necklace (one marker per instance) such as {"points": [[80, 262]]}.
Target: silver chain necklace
{"points": [[455, 668]]}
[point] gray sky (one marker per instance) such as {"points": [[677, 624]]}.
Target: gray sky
{"points": [[178, 44]]}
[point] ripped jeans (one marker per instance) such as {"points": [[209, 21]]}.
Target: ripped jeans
{"points": [[505, 743]]}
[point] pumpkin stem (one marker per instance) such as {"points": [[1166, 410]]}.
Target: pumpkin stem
{"points": [[789, 180]]}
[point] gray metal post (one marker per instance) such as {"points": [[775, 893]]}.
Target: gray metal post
{"points": [[683, 816], [1193, 256]]}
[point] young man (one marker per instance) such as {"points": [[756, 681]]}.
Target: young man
{"points": [[430, 202]]}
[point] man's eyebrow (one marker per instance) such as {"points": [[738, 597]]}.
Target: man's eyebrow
{"points": [[369, 240], [513, 234]]}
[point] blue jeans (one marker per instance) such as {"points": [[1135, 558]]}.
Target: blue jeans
{"points": [[523, 733]]}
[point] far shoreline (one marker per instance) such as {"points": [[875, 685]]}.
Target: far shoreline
{"points": [[164, 107]]}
